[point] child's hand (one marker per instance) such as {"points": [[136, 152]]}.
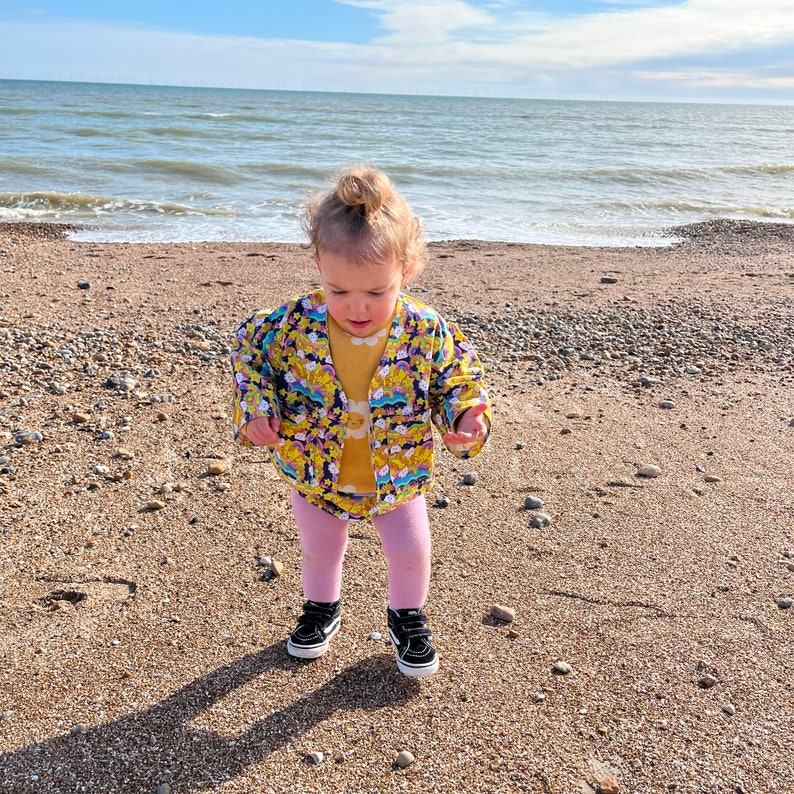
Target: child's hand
{"points": [[470, 429], [262, 431]]}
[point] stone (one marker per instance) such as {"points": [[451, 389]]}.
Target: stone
{"points": [[404, 759], [650, 470], [608, 786], [506, 614], [155, 504], [164, 788], [316, 757], [277, 567], [442, 502], [608, 280], [83, 285], [78, 729], [80, 418], [540, 520], [376, 636], [667, 404], [729, 709], [785, 603], [707, 681], [712, 478], [561, 668], [470, 478], [533, 503], [217, 467], [538, 697]]}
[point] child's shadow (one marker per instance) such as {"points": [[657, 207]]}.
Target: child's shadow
{"points": [[136, 753]]}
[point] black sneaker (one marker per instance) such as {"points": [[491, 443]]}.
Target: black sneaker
{"points": [[318, 623], [415, 655]]}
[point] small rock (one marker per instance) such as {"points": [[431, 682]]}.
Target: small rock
{"points": [[609, 786], [561, 668], [164, 788], [217, 467], [277, 567], [78, 729], [785, 603], [729, 709], [80, 418], [573, 415], [376, 636], [608, 280], [470, 478], [650, 470], [155, 504], [265, 562], [712, 478], [707, 682], [316, 758], [667, 404], [540, 520], [83, 285], [442, 502], [533, 503], [538, 697], [404, 759], [507, 614]]}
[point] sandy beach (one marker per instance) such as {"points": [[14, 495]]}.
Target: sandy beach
{"points": [[142, 629]]}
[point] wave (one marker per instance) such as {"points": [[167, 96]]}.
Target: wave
{"points": [[711, 209], [52, 205], [190, 169]]}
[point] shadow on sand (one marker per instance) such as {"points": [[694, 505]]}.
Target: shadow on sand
{"points": [[132, 754]]}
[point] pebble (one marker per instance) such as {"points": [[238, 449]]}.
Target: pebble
{"points": [[651, 470], [277, 567], [218, 467], [707, 681], [404, 759], [608, 280], [316, 757], [6, 715], [376, 636], [80, 418], [83, 285], [538, 697], [729, 709], [506, 614], [609, 786], [667, 404], [540, 520], [442, 502], [164, 788], [78, 729], [561, 668], [155, 504], [712, 478], [470, 478], [785, 603], [533, 503]]}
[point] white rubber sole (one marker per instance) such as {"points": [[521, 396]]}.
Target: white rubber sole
{"points": [[313, 651]]}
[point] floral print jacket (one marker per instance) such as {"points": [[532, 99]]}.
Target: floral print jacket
{"points": [[282, 367]]}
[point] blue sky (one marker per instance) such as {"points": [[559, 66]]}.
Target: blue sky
{"points": [[701, 50]]}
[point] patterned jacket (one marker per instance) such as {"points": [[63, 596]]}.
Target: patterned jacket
{"points": [[282, 367]]}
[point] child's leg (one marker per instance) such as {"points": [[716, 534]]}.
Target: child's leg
{"points": [[323, 540], [405, 536]]}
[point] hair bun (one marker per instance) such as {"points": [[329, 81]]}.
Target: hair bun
{"points": [[366, 189]]}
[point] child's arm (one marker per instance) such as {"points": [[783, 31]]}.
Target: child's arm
{"points": [[461, 407], [255, 402]]}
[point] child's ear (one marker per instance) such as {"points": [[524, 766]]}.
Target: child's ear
{"points": [[317, 262]]}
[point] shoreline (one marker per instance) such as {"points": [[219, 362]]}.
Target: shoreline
{"points": [[143, 639]]}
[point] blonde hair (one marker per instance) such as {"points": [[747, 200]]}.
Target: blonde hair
{"points": [[365, 219]]}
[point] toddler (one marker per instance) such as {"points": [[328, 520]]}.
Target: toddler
{"points": [[342, 384]]}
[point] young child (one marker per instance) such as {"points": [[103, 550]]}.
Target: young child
{"points": [[342, 384]]}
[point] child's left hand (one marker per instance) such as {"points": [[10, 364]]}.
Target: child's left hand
{"points": [[470, 429]]}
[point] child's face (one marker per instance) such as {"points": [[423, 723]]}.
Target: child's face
{"points": [[361, 298]]}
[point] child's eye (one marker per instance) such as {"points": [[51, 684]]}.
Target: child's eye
{"points": [[375, 294], [338, 292]]}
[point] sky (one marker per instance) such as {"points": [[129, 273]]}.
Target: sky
{"points": [[657, 50]]}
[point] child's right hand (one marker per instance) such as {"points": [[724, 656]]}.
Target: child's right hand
{"points": [[262, 431]]}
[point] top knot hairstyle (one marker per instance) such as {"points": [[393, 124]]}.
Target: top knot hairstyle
{"points": [[365, 219]]}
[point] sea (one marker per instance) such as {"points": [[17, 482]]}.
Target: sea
{"points": [[145, 163]]}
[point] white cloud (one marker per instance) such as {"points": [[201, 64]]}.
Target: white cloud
{"points": [[443, 46]]}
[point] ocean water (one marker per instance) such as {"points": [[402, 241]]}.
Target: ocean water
{"points": [[152, 163]]}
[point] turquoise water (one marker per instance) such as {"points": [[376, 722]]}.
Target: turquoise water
{"points": [[149, 163]]}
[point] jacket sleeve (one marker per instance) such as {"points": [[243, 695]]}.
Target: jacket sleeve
{"points": [[254, 369], [458, 384]]}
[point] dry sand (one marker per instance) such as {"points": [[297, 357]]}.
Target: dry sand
{"points": [[144, 648]]}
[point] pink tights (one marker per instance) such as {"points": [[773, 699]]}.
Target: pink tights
{"points": [[405, 537]]}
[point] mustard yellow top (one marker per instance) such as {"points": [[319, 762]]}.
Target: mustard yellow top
{"points": [[355, 360]]}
